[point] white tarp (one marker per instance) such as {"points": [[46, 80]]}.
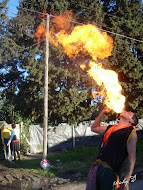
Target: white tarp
{"points": [[65, 136], [36, 139]]}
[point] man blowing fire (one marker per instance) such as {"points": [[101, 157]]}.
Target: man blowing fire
{"points": [[119, 142]]}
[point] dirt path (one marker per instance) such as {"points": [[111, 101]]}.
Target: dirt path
{"points": [[137, 185], [71, 186], [9, 174]]}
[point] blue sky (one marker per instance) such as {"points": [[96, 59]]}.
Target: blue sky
{"points": [[12, 4]]}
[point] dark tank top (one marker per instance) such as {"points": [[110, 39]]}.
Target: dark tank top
{"points": [[114, 151]]}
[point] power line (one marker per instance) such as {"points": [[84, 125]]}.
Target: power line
{"points": [[11, 13], [93, 9], [89, 8], [33, 11], [121, 35], [25, 48], [56, 11], [54, 16], [82, 23], [105, 31], [33, 45]]}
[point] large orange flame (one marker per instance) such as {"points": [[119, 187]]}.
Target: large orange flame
{"points": [[85, 38], [88, 39], [109, 79]]}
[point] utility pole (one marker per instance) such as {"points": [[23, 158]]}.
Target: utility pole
{"points": [[46, 90]]}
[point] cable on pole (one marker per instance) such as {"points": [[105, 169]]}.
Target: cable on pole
{"points": [[121, 35]]}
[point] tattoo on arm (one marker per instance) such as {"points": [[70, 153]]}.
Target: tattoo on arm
{"points": [[128, 168]]}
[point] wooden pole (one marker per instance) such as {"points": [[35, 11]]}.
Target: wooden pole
{"points": [[46, 90]]}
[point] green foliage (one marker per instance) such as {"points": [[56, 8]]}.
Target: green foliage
{"points": [[126, 18], [70, 88], [76, 160], [25, 137], [69, 97]]}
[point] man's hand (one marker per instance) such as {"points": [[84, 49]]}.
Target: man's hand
{"points": [[106, 110], [96, 127], [8, 144]]}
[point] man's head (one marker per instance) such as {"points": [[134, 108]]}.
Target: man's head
{"points": [[129, 117], [13, 126], [135, 119]]}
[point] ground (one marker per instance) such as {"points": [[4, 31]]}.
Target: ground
{"points": [[71, 186], [9, 175]]}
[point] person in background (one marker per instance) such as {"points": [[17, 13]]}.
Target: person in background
{"points": [[14, 143], [119, 143], [5, 136], [2, 153]]}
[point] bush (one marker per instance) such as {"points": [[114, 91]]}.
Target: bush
{"points": [[25, 137]]}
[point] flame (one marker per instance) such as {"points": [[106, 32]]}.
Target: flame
{"points": [[62, 21], [109, 79], [42, 15], [85, 38], [40, 32], [88, 39], [82, 66]]}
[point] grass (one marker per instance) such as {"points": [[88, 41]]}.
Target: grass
{"points": [[72, 161], [76, 160]]}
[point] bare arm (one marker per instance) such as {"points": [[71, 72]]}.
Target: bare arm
{"points": [[131, 148], [96, 127]]}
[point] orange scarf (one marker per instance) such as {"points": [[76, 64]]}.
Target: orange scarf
{"points": [[110, 130]]}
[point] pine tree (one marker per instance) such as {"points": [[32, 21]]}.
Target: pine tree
{"points": [[10, 75], [125, 18], [69, 87]]}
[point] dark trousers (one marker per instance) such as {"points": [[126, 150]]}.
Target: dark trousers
{"points": [[105, 178], [7, 147], [101, 178]]}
